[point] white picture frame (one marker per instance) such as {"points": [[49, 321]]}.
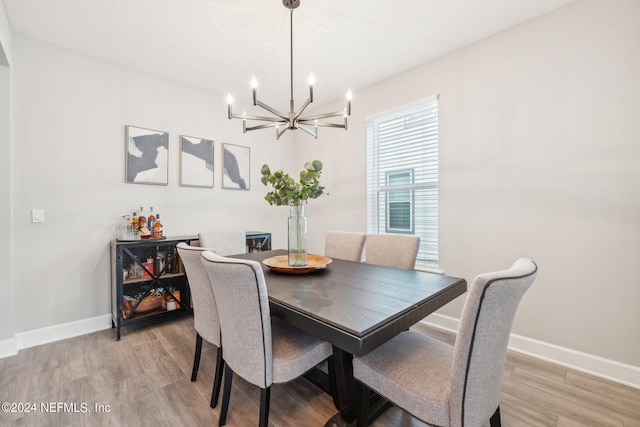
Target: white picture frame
{"points": [[146, 156], [236, 164], [196, 162]]}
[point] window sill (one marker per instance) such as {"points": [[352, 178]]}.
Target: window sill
{"points": [[429, 268]]}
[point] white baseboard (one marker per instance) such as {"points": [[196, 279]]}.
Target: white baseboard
{"points": [[605, 368], [63, 331], [8, 347], [49, 334]]}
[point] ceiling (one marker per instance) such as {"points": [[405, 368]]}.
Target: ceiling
{"points": [[217, 45]]}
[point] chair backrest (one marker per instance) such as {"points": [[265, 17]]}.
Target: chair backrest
{"points": [[344, 245], [224, 242], [392, 250], [205, 312], [481, 342], [245, 320]]}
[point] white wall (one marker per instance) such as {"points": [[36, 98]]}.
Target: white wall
{"points": [[70, 113], [7, 329], [539, 155]]}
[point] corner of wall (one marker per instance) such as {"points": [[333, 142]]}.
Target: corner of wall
{"points": [[5, 37], [8, 347]]}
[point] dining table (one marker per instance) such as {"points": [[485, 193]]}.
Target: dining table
{"points": [[354, 306]]}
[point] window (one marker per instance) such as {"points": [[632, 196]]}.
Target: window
{"points": [[402, 176], [399, 204]]}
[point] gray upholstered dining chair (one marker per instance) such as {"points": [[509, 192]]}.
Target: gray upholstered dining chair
{"points": [[446, 385], [224, 243], [392, 250], [260, 349], [344, 245], [205, 313]]}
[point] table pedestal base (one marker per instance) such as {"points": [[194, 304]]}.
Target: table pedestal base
{"points": [[338, 421]]}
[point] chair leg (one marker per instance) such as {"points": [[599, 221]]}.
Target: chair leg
{"points": [[196, 357], [226, 395], [495, 418], [363, 407], [265, 397], [217, 380]]}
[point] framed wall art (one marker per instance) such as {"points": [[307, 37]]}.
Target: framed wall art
{"points": [[196, 162], [235, 165], [146, 156]]}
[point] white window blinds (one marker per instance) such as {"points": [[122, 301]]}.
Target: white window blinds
{"points": [[402, 176]]}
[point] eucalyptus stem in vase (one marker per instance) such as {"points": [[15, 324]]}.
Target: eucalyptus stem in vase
{"points": [[289, 192]]}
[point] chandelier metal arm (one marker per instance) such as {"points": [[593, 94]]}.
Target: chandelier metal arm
{"points": [[263, 126], [306, 104], [307, 130], [280, 131], [271, 110], [328, 125], [323, 124], [324, 116], [263, 118]]}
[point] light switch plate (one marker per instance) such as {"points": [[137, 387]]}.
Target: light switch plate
{"points": [[37, 215]]}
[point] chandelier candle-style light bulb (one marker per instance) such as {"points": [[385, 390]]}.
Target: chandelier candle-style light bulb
{"points": [[229, 102], [311, 81], [293, 119], [254, 87]]}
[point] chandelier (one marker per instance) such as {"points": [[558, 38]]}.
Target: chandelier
{"points": [[293, 119]]}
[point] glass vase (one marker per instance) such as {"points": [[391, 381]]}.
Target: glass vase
{"points": [[297, 236]]}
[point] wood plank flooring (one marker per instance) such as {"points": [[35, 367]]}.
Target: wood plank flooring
{"points": [[144, 380]]}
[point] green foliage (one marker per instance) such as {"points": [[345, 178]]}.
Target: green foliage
{"points": [[286, 191]]}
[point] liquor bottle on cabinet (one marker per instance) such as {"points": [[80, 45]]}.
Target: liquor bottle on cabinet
{"points": [[144, 231], [134, 223], [157, 228], [151, 220], [170, 260], [142, 220]]}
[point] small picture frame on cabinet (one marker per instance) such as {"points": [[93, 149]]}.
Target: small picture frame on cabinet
{"points": [[196, 162], [146, 156], [236, 162]]}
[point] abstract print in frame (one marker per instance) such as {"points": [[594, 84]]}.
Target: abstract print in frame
{"points": [[196, 162], [147, 153], [236, 164]]}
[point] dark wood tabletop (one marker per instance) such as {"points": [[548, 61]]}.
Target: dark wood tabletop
{"points": [[355, 306]]}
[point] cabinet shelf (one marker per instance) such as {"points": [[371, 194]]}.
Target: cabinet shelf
{"points": [[149, 279], [152, 313]]}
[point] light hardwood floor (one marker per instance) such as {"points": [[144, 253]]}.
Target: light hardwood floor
{"points": [[145, 381]]}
